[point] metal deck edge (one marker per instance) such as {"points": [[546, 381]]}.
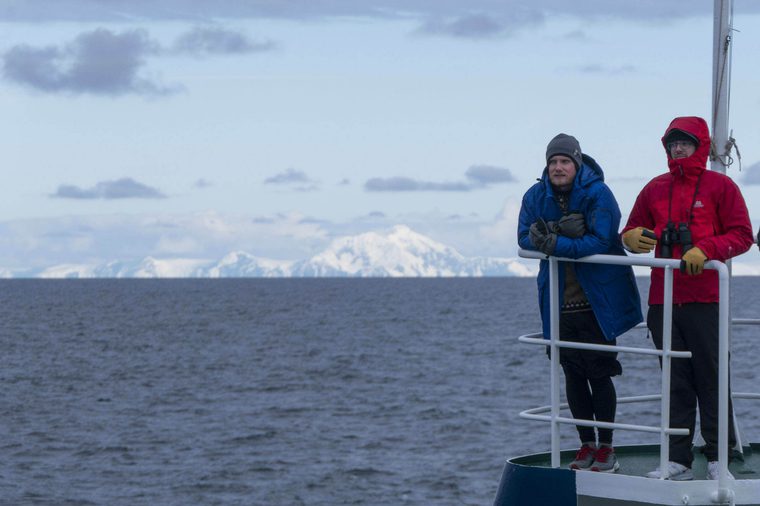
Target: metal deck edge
{"points": [[528, 480], [662, 492]]}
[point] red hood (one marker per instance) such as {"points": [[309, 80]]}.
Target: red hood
{"points": [[696, 163]]}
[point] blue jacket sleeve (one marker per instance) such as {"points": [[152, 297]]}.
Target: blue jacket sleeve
{"points": [[527, 218], [602, 217]]}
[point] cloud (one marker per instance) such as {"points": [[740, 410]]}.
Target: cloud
{"points": [[483, 25], [606, 70], [99, 62], [310, 220], [406, 184], [292, 177], [471, 20], [472, 27], [217, 40], [124, 188], [751, 174], [478, 177], [287, 177], [487, 174], [102, 62], [202, 183]]}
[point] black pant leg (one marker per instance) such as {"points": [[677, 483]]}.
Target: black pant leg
{"points": [[581, 403], [589, 388], [683, 396], [699, 324], [604, 397]]}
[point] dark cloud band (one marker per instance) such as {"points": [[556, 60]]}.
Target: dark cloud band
{"points": [[103, 62], [215, 40], [98, 62], [288, 177], [192, 10], [124, 188], [478, 177]]}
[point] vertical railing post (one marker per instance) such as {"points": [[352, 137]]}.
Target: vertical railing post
{"points": [[723, 378], [667, 327], [554, 331]]}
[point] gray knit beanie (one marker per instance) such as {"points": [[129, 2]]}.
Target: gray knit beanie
{"points": [[567, 145]]}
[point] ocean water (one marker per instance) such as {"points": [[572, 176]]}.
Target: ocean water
{"points": [[286, 392]]}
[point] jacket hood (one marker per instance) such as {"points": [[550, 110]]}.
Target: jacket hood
{"points": [[588, 172], [696, 127]]}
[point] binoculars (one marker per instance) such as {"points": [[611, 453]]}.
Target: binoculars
{"points": [[674, 235]]}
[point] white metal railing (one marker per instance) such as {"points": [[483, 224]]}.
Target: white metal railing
{"points": [[666, 353]]}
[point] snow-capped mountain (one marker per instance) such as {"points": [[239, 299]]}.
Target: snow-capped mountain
{"points": [[240, 264], [398, 252], [401, 252], [147, 268]]}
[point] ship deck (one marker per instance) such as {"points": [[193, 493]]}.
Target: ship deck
{"points": [[637, 460], [530, 479]]}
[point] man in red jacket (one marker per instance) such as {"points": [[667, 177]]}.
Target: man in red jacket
{"points": [[696, 215]]}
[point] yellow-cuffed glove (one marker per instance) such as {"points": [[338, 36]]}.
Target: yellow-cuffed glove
{"points": [[640, 240], [695, 260]]}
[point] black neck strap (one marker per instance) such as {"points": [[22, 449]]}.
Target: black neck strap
{"points": [[693, 199]]}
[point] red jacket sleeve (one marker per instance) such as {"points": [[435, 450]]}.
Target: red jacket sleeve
{"points": [[734, 229]]}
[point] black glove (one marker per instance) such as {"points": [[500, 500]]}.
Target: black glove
{"points": [[541, 238], [552, 227], [572, 225]]}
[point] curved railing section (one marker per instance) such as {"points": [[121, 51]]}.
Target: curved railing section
{"points": [[666, 353]]}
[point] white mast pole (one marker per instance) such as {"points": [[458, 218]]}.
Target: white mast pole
{"points": [[720, 157]]}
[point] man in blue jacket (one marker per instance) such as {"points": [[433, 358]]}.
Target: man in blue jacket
{"points": [[572, 213]]}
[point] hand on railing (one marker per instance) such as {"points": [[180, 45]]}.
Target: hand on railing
{"points": [[640, 240], [693, 262], [572, 225], [542, 238]]}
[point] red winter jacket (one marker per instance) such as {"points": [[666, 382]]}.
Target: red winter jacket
{"points": [[719, 222]]}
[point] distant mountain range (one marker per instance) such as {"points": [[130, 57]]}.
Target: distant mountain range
{"points": [[399, 252]]}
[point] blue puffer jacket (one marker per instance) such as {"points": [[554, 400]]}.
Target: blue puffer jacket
{"points": [[611, 289]]}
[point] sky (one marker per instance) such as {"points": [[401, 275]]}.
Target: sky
{"points": [[190, 129]]}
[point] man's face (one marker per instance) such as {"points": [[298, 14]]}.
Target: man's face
{"points": [[562, 172], [681, 149]]}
